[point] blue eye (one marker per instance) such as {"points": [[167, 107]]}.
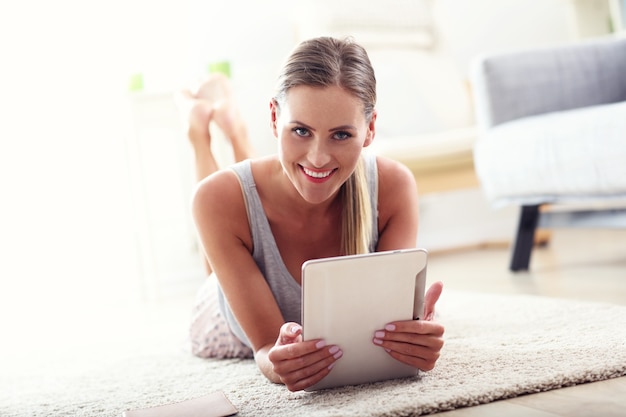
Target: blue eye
{"points": [[342, 135], [301, 131]]}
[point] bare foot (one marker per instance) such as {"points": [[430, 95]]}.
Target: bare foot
{"points": [[196, 115], [217, 90], [212, 101], [215, 87], [228, 119]]}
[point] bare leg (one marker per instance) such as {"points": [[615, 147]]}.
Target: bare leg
{"points": [[212, 101], [216, 88]]}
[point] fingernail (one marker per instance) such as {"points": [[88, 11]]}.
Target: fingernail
{"points": [[390, 327], [338, 355], [320, 344], [378, 341], [430, 316], [333, 350], [331, 365], [379, 334]]}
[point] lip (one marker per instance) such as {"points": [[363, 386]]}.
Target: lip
{"points": [[316, 179]]}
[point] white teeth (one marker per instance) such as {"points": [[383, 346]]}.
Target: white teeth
{"points": [[315, 174]]}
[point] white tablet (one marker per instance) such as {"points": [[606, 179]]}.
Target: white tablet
{"points": [[346, 299]]}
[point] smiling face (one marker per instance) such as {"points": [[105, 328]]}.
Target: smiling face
{"points": [[321, 131]]}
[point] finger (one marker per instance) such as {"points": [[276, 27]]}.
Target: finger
{"points": [[289, 333], [405, 342], [297, 350], [430, 299], [420, 351], [412, 327], [425, 361], [429, 350], [315, 370], [295, 356], [300, 384]]}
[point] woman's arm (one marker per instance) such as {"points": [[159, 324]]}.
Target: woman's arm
{"points": [[222, 222]]}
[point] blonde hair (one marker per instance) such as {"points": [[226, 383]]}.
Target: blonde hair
{"points": [[324, 62], [356, 226]]}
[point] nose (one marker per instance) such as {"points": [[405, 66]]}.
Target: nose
{"points": [[318, 154]]}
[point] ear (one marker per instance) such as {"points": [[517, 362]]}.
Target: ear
{"points": [[274, 117], [371, 130]]}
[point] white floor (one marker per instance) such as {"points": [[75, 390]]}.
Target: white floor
{"points": [[579, 264]]}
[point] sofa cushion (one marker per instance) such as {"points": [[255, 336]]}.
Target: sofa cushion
{"points": [[557, 157]]}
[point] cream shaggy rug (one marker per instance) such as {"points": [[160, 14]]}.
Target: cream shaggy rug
{"points": [[496, 347]]}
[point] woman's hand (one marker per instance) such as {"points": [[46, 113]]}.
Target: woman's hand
{"points": [[415, 342], [301, 364]]}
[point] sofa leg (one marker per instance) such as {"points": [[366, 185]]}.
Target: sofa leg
{"points": [[524, 240]]}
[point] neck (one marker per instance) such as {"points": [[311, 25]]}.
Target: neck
{"points": [[298, 206]]}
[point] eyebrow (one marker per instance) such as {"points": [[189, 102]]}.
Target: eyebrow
{"points": [[334, 129]]}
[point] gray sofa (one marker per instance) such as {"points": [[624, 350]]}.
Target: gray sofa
{"points": [[552, 131]]}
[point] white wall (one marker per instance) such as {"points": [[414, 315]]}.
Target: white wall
{"points": [[420, 89], [517, 24], [68, 248]]}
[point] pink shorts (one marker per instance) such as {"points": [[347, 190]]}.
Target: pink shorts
{"points": [[209, 333]]}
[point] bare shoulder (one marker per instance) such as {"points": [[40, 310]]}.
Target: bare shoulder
{"points": [[218, 189], [221, 192], [398, 205], [394, 177], [219, 208]]}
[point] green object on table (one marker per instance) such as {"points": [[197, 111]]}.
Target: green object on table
{"points": [[221, 67], [135, 82]]}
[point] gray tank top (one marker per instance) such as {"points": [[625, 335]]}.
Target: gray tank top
{"points": [[266, 255]]}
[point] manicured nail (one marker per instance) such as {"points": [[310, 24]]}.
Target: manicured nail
{"points": [[336, 352], [379, 334], [390, 327], [320, 344], [378, 341], [331, 365]]}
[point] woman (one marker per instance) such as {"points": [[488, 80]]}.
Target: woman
{"points": [[320, 196]]}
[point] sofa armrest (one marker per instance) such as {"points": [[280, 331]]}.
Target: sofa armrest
{"points": [[512, 85]]}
